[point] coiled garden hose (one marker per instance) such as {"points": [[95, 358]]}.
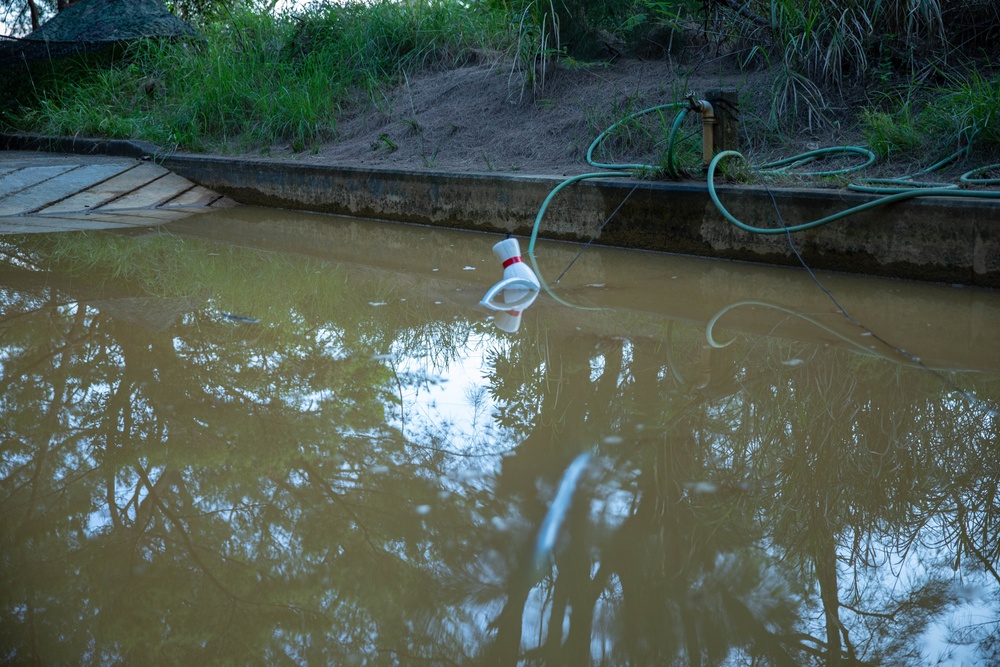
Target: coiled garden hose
{"points": [[897, 189], [972, 177], [903, 183], [623, 171], [783, 166], [898, 194]]}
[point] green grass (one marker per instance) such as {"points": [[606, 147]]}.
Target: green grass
{"points": [[256, 79], [938, 120], [818, 49]]}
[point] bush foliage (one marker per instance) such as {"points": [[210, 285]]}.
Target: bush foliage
{"points": [[259, 77]]}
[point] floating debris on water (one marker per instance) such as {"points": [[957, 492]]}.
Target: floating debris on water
{"points": [[706, 488], [792, 362], [701, 487], [241, 318], [376, 304]]}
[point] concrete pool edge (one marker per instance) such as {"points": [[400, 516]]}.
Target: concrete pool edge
{"points": [[936, 239]]}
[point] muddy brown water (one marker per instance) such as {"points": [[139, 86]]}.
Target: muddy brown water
{"points": [[265, 437]]}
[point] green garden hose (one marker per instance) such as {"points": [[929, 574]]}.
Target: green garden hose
{"points": [[671, 141], [783, 166], [538, 224], [887, 186], [972, 177], [903, 183], [896, 189], [899, 195], [624, 171]]}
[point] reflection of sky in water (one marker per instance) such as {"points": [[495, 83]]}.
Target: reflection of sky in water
{"points": [[295, 464], [953, 631], [450, 399]]}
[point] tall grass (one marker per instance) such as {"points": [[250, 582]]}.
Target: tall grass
{"points": [[536, 43], [935, 121], [818, 48], [257, 79]]}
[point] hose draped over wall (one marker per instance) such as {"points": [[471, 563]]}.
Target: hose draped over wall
{"points": [[897, 189]]}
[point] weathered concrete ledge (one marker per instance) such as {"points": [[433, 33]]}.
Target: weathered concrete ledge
{"points": [[933, 239]]}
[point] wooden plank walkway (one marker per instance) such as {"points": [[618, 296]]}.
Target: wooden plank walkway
{"points": [[45, 192]]}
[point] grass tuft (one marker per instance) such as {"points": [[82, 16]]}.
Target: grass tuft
{"points": [[938, 120], [255, 79]]}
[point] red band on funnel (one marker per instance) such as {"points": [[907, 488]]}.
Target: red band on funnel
{"points": [[513, 260]]}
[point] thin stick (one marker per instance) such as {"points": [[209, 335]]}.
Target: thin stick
{"points": [[587, 244]]}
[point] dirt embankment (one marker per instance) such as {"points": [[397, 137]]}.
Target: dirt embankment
{"points": [[486, 118]]}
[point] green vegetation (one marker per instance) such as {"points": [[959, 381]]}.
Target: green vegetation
{"points": [[944, 118], [255, 78], [920, 72]]}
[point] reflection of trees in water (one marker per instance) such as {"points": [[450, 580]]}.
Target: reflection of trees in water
{"points": [[229, 490], [658, 578], [867, 463], [210, 489], [825, 476]]}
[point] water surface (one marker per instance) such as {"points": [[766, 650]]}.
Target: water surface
{"points": [[261, 437]]}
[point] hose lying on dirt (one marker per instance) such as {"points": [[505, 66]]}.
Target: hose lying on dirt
{"points": [[896, 189]]}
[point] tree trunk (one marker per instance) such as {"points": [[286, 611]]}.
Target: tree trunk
{"points": [[33, 10]]}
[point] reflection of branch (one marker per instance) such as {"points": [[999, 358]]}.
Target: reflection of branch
{"points": [[185, 537], [31, 311], [413, 445], [51, 414], [410, 659], [192, 551], [967, 541], [116, 520], [874, 614], [337, 500], [766, 640], [32, 363], [798, 641], [16, 472], [402, 407]]}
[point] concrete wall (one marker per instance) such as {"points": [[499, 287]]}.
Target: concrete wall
{"points": [[936, 239]]}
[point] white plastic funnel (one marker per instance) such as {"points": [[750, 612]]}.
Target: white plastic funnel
{"points": [[508, 252]]}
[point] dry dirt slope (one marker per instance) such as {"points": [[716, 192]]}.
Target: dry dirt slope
{"points": [[481, 118]]}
